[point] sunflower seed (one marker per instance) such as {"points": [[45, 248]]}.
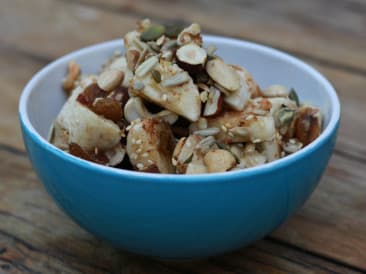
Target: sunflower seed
{"points": [[177, 79], [146, 66], [207, 131]]}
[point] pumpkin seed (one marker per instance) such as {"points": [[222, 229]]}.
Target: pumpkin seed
{"points": [[177, 79], [172, 31], [284, 117], [156, 75], [294, 97], [189, 159], [152, 33]]}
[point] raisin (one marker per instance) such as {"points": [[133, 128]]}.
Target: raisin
{"points": [[120, 94], [108, 108], [90, 93], [78, 151]]}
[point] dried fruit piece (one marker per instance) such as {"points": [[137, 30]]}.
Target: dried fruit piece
{"points": [[110, 79], [191, 57], [72, 75], [152, 33], [120, 94], [223, 74], [78, 151], [307, 124], [108, 108], [214, 103], [219, 160], [150, 143], [89, 94], [86, 128]]}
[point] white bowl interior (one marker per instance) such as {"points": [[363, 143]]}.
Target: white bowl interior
{"points": [[268, 66]]}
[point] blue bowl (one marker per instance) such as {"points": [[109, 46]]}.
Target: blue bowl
{"points": [[179, 216]]}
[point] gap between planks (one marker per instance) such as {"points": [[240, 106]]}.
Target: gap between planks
{"points": [[124, 10], [20, 153]]}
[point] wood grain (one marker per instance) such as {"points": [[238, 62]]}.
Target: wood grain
{"points": [[46, 241], [327, 236], [326, 30]]}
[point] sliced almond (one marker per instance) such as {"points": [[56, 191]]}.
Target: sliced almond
{"points": [[110, 79], [190, 34], [182, 99], [219, 160], [238, 99], [115, 155], [191, 57], [223, 74], [133, 56], [276, 91], [213, 104]]}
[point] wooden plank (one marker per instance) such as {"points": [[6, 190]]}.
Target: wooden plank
{"points": [[36, 237], [332, 31], [15, 71], [310, 29], [350, 144]]}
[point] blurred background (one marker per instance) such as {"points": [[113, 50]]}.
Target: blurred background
{"points": [[327, 235]]}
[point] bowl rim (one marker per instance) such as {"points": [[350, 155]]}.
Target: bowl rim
{"points": [[326, 133]]}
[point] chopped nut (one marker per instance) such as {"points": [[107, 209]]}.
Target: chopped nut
{"points": [[214, 103], [223, 74], [108, 108], [276, 91], [72, 75], [190, 34], [110, 79], [191, 57], [219, 160]]}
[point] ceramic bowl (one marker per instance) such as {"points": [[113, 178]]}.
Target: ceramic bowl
{"points": [[180, 216]]}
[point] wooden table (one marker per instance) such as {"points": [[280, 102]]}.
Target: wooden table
{"points": [[328, 235]]}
